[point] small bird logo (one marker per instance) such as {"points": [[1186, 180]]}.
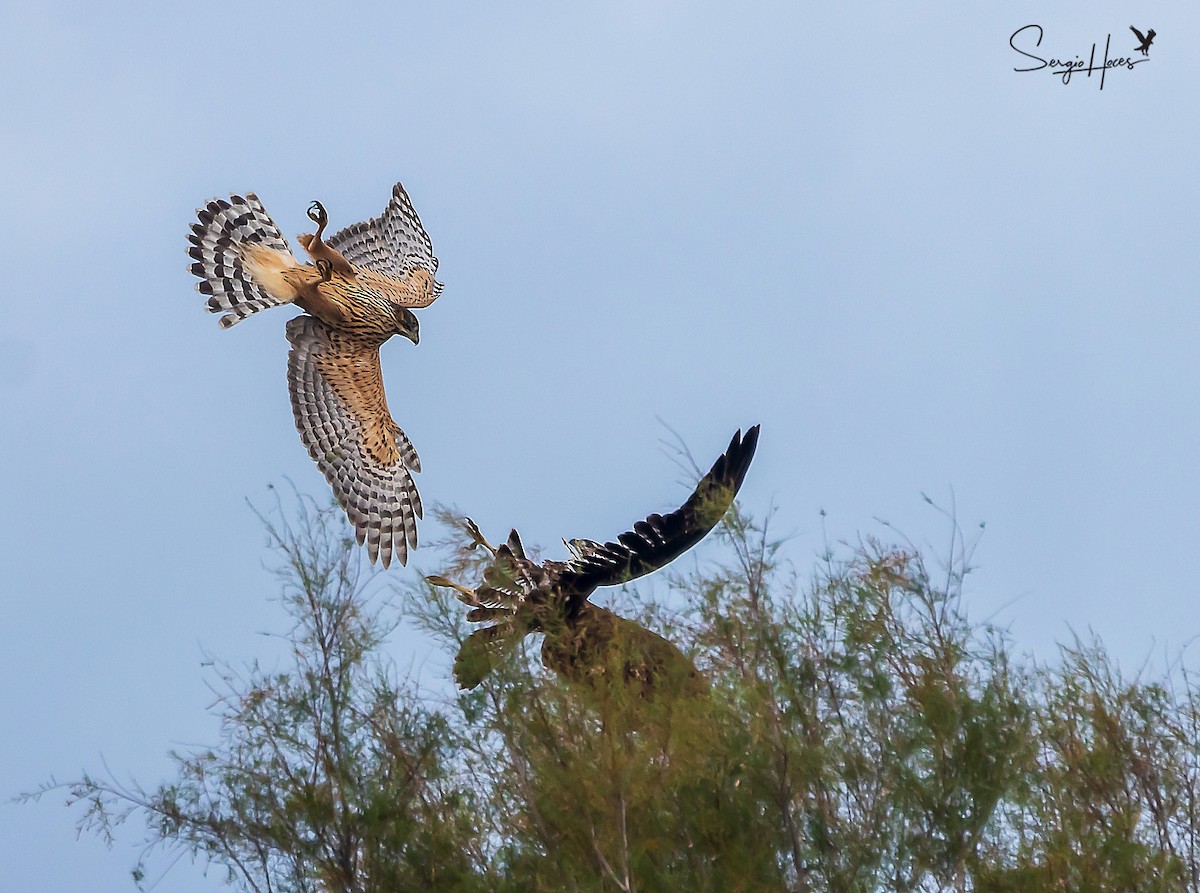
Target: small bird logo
{"points": [[1146, 39]]}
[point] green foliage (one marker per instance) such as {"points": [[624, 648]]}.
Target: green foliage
{"points": [[1113, 801], [327, 775], [856, 732]]}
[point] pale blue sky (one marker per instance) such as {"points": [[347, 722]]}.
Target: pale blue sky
{"points": [[855, 224]]}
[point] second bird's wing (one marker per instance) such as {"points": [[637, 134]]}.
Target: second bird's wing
{"points": [[337, 396], [660, 539], [482, 651]]}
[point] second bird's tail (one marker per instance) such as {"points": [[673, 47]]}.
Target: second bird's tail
{"points": [[227, 249]]}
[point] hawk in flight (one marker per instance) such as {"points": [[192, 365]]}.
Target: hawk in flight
{"points": [[356, 294], [520, 596]]}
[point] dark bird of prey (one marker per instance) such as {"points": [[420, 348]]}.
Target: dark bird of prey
{"points": [[356, 294], [1146, 39], [520, 596]]}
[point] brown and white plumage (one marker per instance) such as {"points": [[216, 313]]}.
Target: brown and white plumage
{"points": [[521, 596], [394, 244], [356, 294], [342, 414]]}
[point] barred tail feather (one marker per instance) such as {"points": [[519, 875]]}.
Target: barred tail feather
{"points": [[218, 248]]}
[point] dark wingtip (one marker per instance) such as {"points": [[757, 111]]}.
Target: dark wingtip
{"points": [[739, 455], [514, 544], [750, 441]]}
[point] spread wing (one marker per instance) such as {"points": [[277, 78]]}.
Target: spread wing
{"points": [[660, 539], [341, 411], [1140, 35], [395, 244]]}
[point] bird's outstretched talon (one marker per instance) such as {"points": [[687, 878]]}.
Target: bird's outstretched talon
{"points": [[325, 268], [317, 214], [477, 537], [465, 595]]}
